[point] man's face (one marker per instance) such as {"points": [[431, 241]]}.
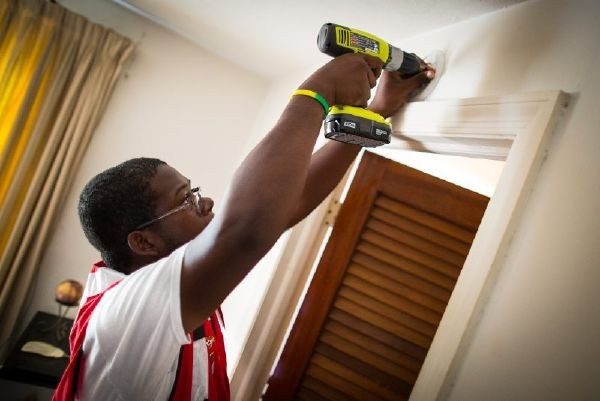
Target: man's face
{"points": [[172, 190]]}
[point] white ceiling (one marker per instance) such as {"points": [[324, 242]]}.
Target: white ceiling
{"points": [[270, 37]]}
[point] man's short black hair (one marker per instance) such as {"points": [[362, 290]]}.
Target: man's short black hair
{"points": [[114, 203]]}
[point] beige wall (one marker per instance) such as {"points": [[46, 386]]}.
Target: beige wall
{"points": [[538, 338], [177, 102]]}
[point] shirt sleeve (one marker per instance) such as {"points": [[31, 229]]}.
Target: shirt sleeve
{"points": [[139, 328]]}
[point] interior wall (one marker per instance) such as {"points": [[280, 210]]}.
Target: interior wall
{"points": [[538, 336], [176, 102]]}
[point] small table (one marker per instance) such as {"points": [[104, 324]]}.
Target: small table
{"points": [[26, 367]]}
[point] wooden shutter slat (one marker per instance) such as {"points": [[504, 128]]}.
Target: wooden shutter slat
{"points": [[403, 312], [406, 265], [379, 334], [305, 394], [382, 349], [399, 277], [423, 245], [363, 354], [352, 376], [389, 381], [425, 219], [343, 386], [400, 290], [382, 322], [396, 314], [324, 390], [407, 252], [421, 231]]}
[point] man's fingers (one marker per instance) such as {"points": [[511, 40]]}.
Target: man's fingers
{"points": [[362, 97], [372, 78], [367, 96], [421, 78], [375, 65]]}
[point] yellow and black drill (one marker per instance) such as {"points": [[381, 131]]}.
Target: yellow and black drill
{"points": [[354, 124]]}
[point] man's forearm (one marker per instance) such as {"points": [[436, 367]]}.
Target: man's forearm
{"points": [[268, 185], [327, 167], [270, 180]]}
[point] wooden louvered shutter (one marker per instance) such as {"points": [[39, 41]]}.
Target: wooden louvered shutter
{"points": [[381, 287]]}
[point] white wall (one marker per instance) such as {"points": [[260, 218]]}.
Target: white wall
{"points": [[538, 337], [179, 103]]}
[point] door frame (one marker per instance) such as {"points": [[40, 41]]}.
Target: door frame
{"points": [[514, 128]]}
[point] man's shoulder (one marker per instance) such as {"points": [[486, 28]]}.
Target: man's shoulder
{"points": [[99, 280], [143, 296], [175, 258]]}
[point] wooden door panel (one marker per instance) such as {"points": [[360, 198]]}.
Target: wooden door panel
{"points": [[381, 287], [406, 264], [419, 230], [394, 276]]}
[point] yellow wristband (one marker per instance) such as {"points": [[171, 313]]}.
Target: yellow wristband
{"points": [[314, 95]]}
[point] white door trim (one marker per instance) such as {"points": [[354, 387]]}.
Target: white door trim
{"points": [[515, 128]]}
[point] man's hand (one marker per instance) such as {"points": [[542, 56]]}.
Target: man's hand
{"points": [[329, 164], [393, 91], [347, 79]]}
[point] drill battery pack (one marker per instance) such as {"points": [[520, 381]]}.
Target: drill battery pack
{"points": [[357, 126]]}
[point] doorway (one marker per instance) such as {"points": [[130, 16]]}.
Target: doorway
{"points": [[514, 128], [381, 287]]}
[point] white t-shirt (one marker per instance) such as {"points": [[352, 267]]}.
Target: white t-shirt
{"points": [[131, 348]]}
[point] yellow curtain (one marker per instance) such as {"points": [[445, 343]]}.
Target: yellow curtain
{"points": [[57, 71]]}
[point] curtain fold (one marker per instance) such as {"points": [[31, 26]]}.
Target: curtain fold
{"points": [[57, 72]]}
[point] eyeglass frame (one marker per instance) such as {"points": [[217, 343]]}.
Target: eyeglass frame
{"points": [[193, 200]]}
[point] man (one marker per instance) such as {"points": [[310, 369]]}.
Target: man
{"points": [[148, 329]]}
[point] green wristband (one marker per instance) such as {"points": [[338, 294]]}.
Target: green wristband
{"points": [[314, 95]]}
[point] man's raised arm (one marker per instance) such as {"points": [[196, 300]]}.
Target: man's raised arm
{"points": [[329, 164], [266, 189]]}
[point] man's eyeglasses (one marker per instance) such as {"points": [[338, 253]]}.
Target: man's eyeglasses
{"points": [[193, 199]]}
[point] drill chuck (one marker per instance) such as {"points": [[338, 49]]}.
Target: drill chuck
{"points": [[403, 62]]}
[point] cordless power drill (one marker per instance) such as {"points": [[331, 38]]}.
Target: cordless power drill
{"points": [[354, 124]]}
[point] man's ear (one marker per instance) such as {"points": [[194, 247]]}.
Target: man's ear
{"points": [[143, 243]]}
